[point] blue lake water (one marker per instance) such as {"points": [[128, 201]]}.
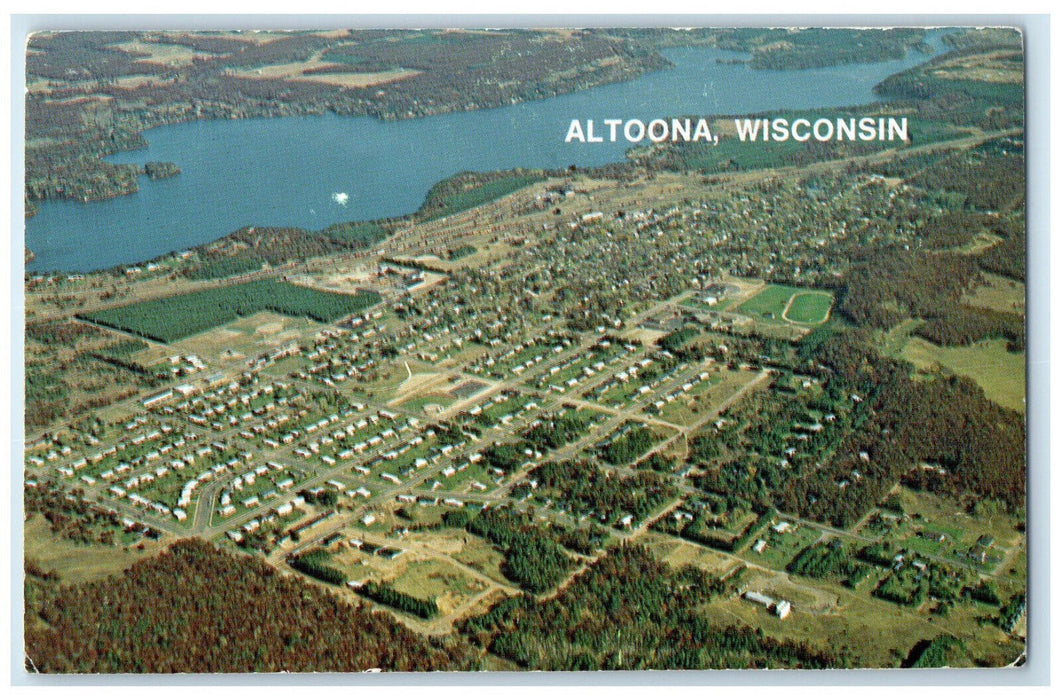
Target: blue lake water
{"points": [[285, 171]]}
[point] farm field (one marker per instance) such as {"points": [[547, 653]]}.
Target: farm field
{"points": [[176, 317]]}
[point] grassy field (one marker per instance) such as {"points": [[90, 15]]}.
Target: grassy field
{"points": [[875, 632], [997, 371], [809, 308], [420, 403], [679, 553], [878, 634], [77, 563], [999, 294], [779, 302], [433, 579], [963, 529], [481, 556]]}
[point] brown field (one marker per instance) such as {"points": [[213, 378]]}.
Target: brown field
{"points": [[1003, 66], [333, 33], [253, 36], [246, 336], [683, 554], [446, 541], [343, 280], [981, 242], [162, 53], [643, 335], [295, 72], [132, 82]]}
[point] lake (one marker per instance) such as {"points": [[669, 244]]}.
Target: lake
{"points": [[287, 171]]}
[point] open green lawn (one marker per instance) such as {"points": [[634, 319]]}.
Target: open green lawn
{"points": [[809, 307], [998, 294], [779, 302]]}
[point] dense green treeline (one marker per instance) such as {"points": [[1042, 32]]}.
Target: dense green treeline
{"points": [[946, 421], [935, 653], [315, 563], [532, 559], [829, 559], [469, 190], [382, 593], [889, 286]]}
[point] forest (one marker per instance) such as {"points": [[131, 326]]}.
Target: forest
{"points": [[829, 559], [888, 286], [469, 190], [629, 611], [174, 613], [315, 563], [387, 595], [974, 448], [978, 446]]}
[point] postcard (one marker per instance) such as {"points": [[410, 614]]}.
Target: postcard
{"points": [[525, 349]]}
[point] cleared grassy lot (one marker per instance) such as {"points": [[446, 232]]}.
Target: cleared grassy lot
{"points": [[79, 563], [809, 307], [999, 373], [779, 302]]}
